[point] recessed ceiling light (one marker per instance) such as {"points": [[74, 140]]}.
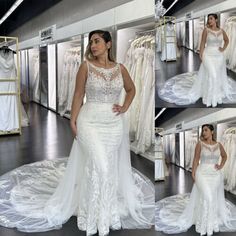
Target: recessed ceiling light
{"points": [[162, 110], [171, 6], [13, 8]]}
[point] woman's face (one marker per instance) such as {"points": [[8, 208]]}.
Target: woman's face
{"points": [[212, 21], [206, 133], [98, 45]]}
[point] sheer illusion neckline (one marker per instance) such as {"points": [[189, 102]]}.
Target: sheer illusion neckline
{"points": [[209, 144], [215, 31], [102, 68]]}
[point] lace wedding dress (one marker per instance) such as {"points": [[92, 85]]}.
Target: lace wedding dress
{"points": [[205, 207], [96, 183], [9, 115], [210, 83]]}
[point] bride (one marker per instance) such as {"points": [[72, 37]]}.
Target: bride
{"points": [[205, 207], [96, 183], [211, 82]]}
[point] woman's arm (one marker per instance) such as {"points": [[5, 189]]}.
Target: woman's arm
{"points": [[130, 92], [203, 42], [226, 41], [78, 96], [223, 158], [196, 159]]}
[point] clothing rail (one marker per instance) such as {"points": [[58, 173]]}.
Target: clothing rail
{"points": [[6, 41]]}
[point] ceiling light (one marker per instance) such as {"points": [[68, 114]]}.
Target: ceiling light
{"points": [[171, 6], [162, 110], [13, 8]]}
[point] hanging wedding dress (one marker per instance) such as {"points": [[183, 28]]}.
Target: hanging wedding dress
{"points": [[210, 83], [34, 75], [9, 114], [229, 142], [205, 207], [96, 183], [169, 47], [190, 144], [66, 87], [140, 62], [145, 134], [230, 29]]}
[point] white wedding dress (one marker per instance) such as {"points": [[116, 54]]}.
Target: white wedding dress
{"points": [[96, 183], [205, 207], [210, 83]]}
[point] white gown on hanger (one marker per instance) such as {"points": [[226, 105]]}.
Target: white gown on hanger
{"points": [[96, 183], [145, 135], [169, 47], [205, 207], [210, 83], [229, 142], [9, 114]]}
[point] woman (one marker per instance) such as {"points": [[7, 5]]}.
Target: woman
{"points": [[211, 82], [97, 185], [205, 207]]}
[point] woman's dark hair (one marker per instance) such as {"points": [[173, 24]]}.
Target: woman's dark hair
{"points": [[215, 16], [211, 127], [106, 37]]}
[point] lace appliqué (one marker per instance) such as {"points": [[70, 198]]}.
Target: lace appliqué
{"points": [[210, 153], [103, 85]]}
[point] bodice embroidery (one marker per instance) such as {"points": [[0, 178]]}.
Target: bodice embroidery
{"points": [[214, 38], [210, 154], [103, 85]]}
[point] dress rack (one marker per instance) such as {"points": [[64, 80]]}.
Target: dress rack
{"points": [[6, 41], [167, 39], [159, 157], [145, 32]]}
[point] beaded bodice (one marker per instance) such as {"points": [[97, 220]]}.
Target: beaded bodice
{"points": [[103, 85], [214, 38], [210, 154]]}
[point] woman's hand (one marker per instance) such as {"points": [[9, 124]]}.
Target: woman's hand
{"points": [[118, 109], [218, 167], [193, 176], [221, 49], [200, 55], [73, 128]]}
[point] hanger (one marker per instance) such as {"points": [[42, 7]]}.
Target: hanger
{"points": [[231, 130], [6, 49]]}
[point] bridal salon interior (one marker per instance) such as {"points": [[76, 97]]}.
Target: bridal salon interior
{"points": [[178, 130], [48, 40], [178, 39]]}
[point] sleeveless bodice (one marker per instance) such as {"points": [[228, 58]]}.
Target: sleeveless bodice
{"points": [[214, 38], [210, 154], [7, 65], [103, 85]]}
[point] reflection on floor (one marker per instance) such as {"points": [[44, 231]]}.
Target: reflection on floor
{"points": [[48, 137], [188, 61], [180, 181]]}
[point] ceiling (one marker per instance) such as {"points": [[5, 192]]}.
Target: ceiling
{"points": [[27, 10], [177, 7], [166, 115]]}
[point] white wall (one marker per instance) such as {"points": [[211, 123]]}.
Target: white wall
{"points": [[123, 38], [203, 7], [125, 13], [197, 5], [64, 13], [193, 117]]}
